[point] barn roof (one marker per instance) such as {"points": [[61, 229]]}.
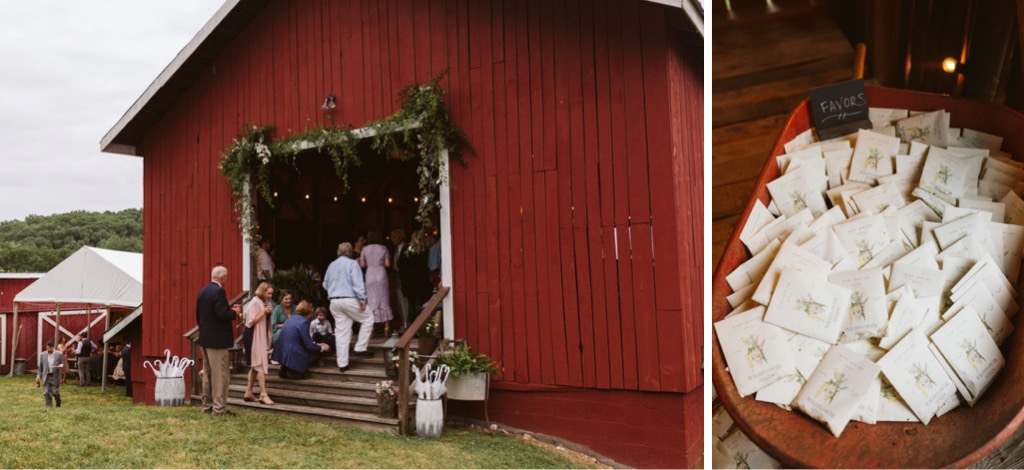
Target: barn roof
{"points": [[208, 43], [90, 275]]}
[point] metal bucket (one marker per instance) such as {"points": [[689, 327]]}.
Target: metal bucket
{"points": [[429, 418], [169, 391], [19, 366], [471, 387]]}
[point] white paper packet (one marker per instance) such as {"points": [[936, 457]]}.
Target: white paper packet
{"points": [[891, 407], [910, 367], [790, 257], [866, 313], [872, 156], [755, 351], [970, 351], [931, 128], [809, 305], [837, 386], [798, 190]]}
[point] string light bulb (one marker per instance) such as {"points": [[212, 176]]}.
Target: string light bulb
{"points": [[950, 65]]}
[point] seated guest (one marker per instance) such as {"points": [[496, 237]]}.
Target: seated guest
{"points": [[295, 349], [96, 365], [320, 329]]}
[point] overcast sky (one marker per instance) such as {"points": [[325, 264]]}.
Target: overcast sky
{"points": [[68, 72]]}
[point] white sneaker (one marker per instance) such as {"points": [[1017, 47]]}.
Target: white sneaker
{"points": [[275, 363]]}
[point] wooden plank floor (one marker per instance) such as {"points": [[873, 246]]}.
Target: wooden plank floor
{"points": [[762, 66]]}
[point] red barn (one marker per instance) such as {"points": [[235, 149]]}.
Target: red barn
{"points": [[10, 285], [571, 246]]}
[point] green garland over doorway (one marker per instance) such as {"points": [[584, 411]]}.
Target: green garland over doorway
{"points": [[421, 127]]}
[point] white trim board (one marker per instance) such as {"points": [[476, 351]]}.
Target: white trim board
{"points": [[44, 316], [3, 339], [448, 304]]}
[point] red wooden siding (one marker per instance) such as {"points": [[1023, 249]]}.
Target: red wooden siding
{"points": [[640, 429], [10, 288], [685, 58], [575, 257]]}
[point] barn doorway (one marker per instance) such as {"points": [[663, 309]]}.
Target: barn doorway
{"points": [[313, 213]]}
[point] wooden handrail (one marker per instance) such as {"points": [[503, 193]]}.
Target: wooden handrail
{"points": [[193, 336], [404, 378]]}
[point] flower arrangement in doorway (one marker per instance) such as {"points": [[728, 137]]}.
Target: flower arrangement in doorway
{"points": [[422, 127]]}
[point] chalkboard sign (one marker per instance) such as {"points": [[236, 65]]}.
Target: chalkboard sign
{"points": [[839, 109]]}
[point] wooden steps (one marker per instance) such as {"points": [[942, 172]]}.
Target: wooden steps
{"points": [[363, 420], [327, 393]]}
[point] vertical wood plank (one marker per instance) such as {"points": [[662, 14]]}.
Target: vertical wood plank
{"points": [[593, 324], [556, 253], [647, 357]]}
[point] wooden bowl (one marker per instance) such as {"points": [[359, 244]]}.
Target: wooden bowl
{"points": [[957, 439]]}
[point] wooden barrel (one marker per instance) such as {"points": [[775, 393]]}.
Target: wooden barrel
{"points": [[169, 391], [429, 419]]}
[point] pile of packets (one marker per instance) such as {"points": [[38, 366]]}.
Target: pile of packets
{"points": [[880, 285]]}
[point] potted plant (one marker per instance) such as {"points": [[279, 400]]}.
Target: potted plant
{"points": [[427, 338], [470, 372], [387, 399], [303, 282]]}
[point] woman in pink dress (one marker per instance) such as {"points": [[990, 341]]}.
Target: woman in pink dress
{"points": [[375, 259], [256, 318]]}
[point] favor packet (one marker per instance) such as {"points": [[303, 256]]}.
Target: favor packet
{"points": [[809, 305], [913, 370], [970, 351], [839, 383], [755, 351]]}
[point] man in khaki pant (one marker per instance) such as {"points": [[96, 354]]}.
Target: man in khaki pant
{"points": [[216, 335]]}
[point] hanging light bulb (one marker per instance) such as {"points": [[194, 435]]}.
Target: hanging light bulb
{"points": [[949, 65], [390, 200], [335, 198], [363, 199], [275, 193], [307, 196]]}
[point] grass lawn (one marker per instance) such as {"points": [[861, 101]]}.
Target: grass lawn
{"points": [[95, 430]]}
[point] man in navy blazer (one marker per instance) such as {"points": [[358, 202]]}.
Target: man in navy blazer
{"points": [[295, 349], [216, 335]]}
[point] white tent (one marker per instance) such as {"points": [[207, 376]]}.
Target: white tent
{"points": [[90, 276]]}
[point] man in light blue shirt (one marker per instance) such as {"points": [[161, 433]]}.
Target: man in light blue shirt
{"points": [[344, 285]]}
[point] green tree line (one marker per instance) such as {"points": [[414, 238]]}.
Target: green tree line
{"points": [[40, 242]]}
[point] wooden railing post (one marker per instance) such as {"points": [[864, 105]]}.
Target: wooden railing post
{"points": [[403, 392], [403, 365]]}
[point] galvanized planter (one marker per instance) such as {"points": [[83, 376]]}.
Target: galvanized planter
{"points": [[470, 387]]}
